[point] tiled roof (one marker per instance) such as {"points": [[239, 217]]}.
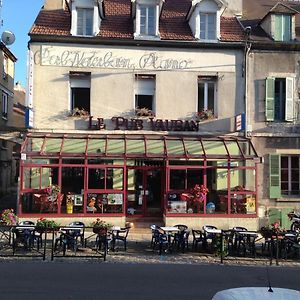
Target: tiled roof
{"points": [[255, 10], [118, 23]]}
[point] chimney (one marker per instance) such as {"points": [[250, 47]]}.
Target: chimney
{"points": [[54, 4]]}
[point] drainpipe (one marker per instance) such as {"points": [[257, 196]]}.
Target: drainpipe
{"points": [[247, 49]]}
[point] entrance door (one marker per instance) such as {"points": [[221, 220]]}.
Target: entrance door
{"points": [[144, 191]]}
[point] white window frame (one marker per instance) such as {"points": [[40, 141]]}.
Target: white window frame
{"points": [[281, 39], [205, 106], [85, 15], [138, 34], [5, 67], [145, 86], [4, 106], [86, 5], [207, 28]]}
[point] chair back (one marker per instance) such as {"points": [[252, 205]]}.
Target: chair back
{"points": [[181, 227], [197, 234], [205, 227], [77, 224], [238, 228], [26, 223]]}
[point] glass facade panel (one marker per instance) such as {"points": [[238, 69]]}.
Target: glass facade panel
{"points": [[52, 145], [214, 148], [74, 146], [135, 146], [155, 147], [35, 145], [115, 146], [175, 147], [96, 146], [193, 147]]}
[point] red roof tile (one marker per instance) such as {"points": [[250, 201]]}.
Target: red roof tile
{"points": [[118, 23]]}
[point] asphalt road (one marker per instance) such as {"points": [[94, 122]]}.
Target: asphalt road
{"points": [[97, 280]]}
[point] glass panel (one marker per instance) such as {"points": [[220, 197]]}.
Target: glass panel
{"points": [[96, 179], [177, 179], [175, 147], [211, 26], [233, 148], [155, 147], [89, 21], [31, 178], [34, 145], [284, 162], [52, 145], [135, 192], [194, 177], [193, 147], [151, 20], [115, 146], [96, 146], [135, 146], [211, 95], [214, 148], [101, 203], [74, 146], [247, 148], [80, 21]]}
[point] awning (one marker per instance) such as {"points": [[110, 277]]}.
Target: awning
{"points": [[139, 146]]}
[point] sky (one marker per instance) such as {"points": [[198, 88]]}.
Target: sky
{"points": [[18, 17]]}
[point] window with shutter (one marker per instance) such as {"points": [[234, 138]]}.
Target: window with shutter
{"points": [[275, 179], [270, 99], [289, 101]]}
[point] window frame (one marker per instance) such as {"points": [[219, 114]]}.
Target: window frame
{"points": [[285, 34], [206, 82], [4, 105], [84, 10], [207, 28]]}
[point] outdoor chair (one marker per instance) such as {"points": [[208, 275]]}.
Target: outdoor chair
{"points": [[155, 233], [80, 232], [120, 236], [207, 235], [197, 238], [26, 236]]}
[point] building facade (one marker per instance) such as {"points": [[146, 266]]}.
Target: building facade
{"points": [[137, 110], [7, 163], [273, 102]]}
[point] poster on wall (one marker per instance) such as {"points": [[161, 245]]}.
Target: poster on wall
{"points": [[250, 205], [177, 207], [115, 199]]}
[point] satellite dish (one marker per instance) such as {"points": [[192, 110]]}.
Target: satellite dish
{"points": [[8, 38]]}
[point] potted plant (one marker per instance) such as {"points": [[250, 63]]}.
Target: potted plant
{"points": [[205, 114], [8, 217], [195, 197], [79, 112], [45, 225], [100, 226], [144, 112]]}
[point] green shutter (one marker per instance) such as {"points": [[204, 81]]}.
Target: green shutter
{"points": [[274, 166], [289, 101], [286, 22], [270, 99], [278, 28]]}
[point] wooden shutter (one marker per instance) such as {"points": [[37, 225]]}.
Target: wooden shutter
{"points": [[289, 101], [274, 170], [270, 98]]}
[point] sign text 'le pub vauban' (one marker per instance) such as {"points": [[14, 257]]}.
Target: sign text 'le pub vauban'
{"points": [[121, 123]]}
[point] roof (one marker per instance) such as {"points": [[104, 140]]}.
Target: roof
{"points": [[255, 11], [118, 23], [138, 146]]}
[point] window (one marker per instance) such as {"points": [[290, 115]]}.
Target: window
{"points": [[80, 91], [147, 20], [279, 99], [206, 94], [144, 93], [207, 26], [284, 175], [85, 21], [5, 68], [4, 105], [282, 28]]}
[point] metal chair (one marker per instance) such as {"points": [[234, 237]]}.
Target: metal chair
{"points": [[120, 235], [197, 238]]}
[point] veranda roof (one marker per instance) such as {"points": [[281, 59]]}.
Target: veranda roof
{"points": [[138, 146]]}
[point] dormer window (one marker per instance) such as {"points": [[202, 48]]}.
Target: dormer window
{"points": [[147, 20], [85, 21], [86, 17], [279, 23], [282, 28], [204, 19], [145, 14], [207, 26]]}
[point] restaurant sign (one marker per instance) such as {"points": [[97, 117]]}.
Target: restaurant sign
{"points": [[121, 123]]}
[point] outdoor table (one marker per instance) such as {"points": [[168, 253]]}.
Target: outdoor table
{"points": [[247, 240], [169, 231]]}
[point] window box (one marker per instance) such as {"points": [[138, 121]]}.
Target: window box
{"points": [[144, 112], [80, 113], [204, 115]]}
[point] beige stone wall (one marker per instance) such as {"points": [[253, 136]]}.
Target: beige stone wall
{"points": [[112, 85]]}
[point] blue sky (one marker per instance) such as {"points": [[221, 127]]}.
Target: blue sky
{"points": [[18, 17]]}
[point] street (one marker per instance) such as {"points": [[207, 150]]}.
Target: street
{"points": [[97, 280]]}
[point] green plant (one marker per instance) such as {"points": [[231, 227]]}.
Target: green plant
{"points": [[100, 224], [144, 112], [79, 112], [205, 114], [9, 217], [47, 224]]}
